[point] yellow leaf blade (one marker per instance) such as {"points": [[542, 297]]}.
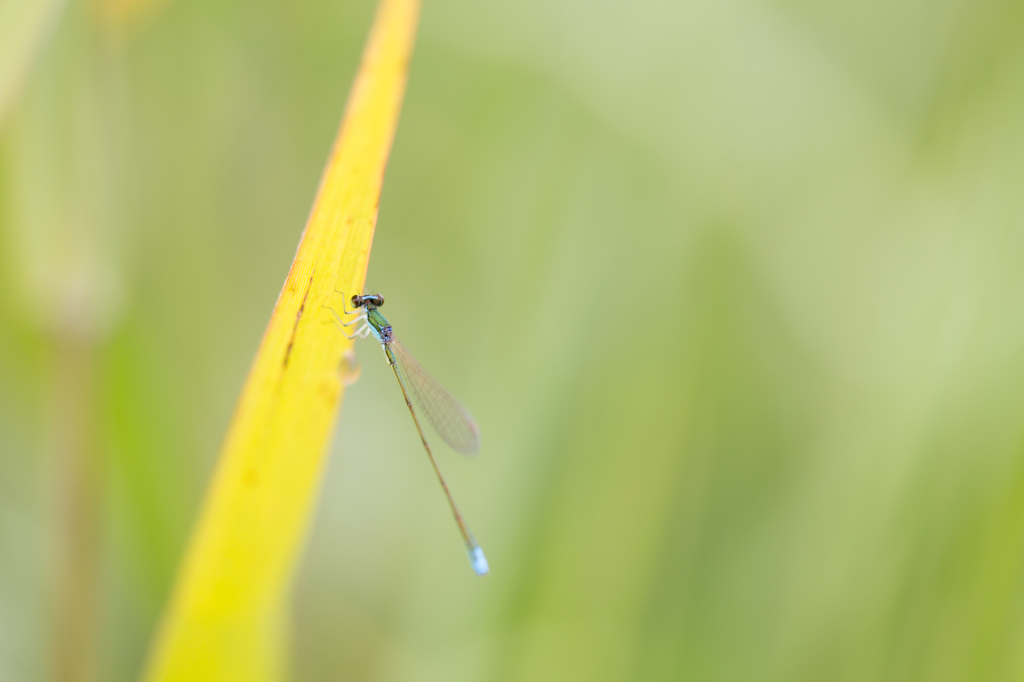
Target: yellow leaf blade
{"points": [[224, 620]]}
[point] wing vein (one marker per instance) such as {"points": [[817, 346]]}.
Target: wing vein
{"points": [[449, 418]]}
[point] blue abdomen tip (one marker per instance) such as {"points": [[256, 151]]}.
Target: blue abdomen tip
{"points": [[479, 561]]}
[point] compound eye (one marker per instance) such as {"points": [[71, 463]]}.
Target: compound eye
{"points": [[380, 299], [357, 301]]}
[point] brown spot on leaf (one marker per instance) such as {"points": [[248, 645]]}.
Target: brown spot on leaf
{"points": [[295, 327]]}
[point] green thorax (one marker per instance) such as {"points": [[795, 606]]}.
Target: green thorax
{"points": [[379, 325]]}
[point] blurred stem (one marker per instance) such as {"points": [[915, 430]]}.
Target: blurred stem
{"points": [[67, 196], [78, 518]]}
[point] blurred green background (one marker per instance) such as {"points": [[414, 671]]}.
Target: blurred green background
{"points": [[735, 290]]}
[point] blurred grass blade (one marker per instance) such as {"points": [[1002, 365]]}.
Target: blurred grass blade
{"points": [[225, 617], [24, 26]]}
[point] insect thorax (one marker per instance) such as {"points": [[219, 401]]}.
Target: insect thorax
{"points": [[379, 325]]}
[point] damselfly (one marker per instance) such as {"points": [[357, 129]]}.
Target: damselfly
{"points": [[450, 419]]}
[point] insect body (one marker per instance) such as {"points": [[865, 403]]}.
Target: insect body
{"points": [[451, 421]]}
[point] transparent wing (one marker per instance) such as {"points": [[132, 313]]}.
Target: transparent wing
{"points": [[450, 419]]}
